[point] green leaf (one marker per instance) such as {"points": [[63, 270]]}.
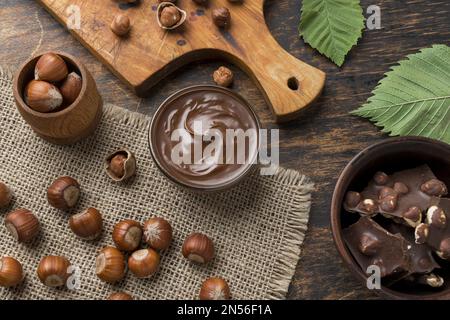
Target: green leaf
{"points": [[414, 98], [332, 26]]}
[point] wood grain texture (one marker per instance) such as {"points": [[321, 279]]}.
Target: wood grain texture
{"points": [[149, 53], [319, 144]]}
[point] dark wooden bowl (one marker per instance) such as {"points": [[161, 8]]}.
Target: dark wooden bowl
{"points": [[70, 124], [389, 156]]}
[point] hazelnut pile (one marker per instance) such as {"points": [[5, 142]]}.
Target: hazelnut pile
{"points": [[111, 263], [54, 87]]}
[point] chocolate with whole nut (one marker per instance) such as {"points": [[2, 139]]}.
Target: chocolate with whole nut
{"points": [[370, 244], [436, 230], [404, 195]]}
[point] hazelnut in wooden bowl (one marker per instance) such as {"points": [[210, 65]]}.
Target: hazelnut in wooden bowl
{"points": [[57, 96], [385, 215]]}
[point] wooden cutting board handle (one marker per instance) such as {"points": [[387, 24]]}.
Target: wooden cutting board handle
{"points": [[289, 85]]}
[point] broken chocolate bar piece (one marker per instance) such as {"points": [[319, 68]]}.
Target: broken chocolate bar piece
{"points": [[421, 260], [436, 229], [404, 195], [370, 244], [431, 280]]}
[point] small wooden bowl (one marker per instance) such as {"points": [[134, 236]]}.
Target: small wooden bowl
{"points": [[389, 156], [70, 124]]}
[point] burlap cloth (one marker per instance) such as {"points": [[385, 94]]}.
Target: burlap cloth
{"points": [[257, 227]]}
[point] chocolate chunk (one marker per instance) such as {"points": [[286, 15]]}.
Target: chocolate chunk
{"points": [[437, 223], [401, 191], [370, 244], [401, 188], [352, 199], [420, 255]]}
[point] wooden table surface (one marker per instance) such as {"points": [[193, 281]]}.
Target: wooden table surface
{"points": [[319, 144]]}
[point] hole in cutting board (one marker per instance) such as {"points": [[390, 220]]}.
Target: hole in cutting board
{"points": [[293, 83]]}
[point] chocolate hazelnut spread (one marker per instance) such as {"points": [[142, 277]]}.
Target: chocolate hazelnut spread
{"points": [[198, 124]]}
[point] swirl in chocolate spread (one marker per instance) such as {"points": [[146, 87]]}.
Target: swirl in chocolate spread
{"points": [[200, 118]]}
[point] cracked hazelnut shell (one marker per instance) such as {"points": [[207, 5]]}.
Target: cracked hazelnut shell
{"points": [[63, 193], [120, 165], [169, 16], [22, 224]]}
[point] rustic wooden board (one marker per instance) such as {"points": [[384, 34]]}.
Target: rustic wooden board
{"points": [[150, 53]]}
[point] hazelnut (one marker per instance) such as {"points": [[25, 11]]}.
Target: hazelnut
{"points": [[368, 206], [71, 87], [223, 77], [436, 217], [421, 233], [144, 263], [352, 199], [5, 195], [198, 248], [120, 296], [444, 249], [434, 187], [121, 25], [434, 280], [11, 272], [127, 235], [110, 265], [385, 192], [50, 67], [42, 96], [169, 16], [222, 17], [380, 178], [388, 204], [63, 193], [53, 271], [413, 216], [87, 224], [369, 244], [120, 165], [22, 224], [401, 188], [158, 233], [215, 289]]}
